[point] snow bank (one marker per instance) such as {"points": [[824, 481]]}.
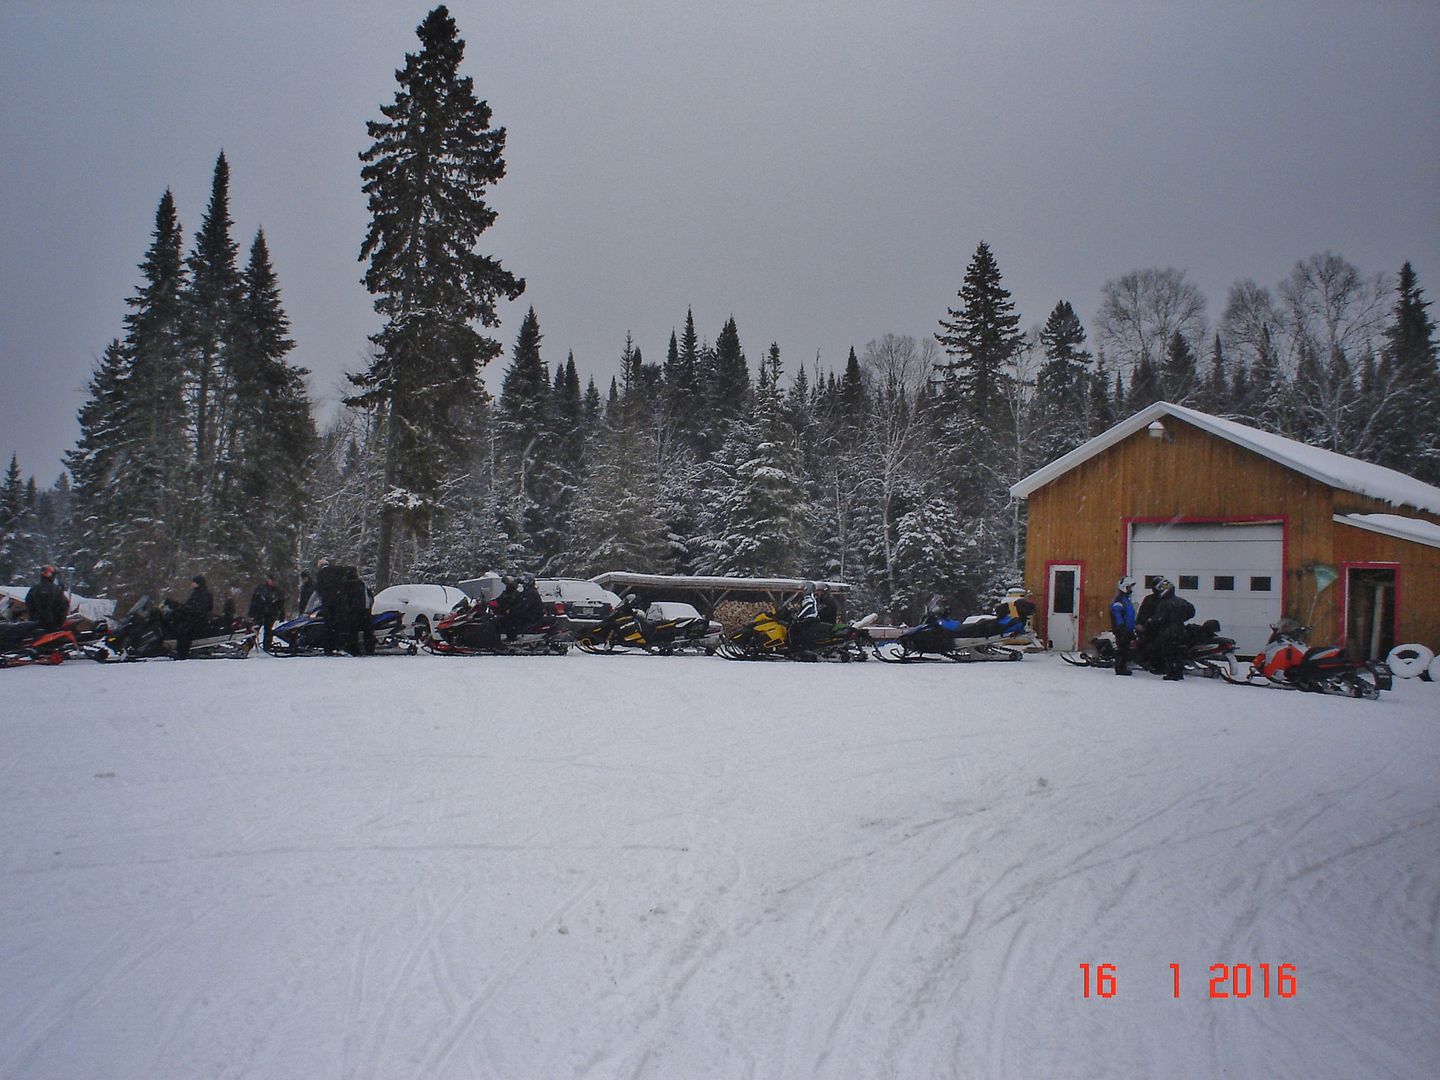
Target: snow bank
{"points": [[637, 866]]}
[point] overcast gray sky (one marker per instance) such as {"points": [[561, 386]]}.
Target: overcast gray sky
{"points": [[822, 171]]}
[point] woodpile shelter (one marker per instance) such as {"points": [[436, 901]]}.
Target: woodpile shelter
{"points": [[731, 601], [1250, 526]]}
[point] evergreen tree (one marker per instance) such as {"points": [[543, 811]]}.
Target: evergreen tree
{"points": [[729, 388], [1408, 363], [852, 392], [1145, 385], [1214, 395], [1179, 378], [1062, 386], [16, 541], [981, 337], [212, 304], [526, 441], [757, 497], [426, 175], [272, 436]]}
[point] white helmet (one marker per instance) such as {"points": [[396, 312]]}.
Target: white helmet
{"points": [[1126, 584]]}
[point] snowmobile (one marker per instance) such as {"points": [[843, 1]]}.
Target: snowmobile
{"points": [[306, 635], [1207, 653], [148, 633], [1288, 663], [24, 643], [680, 629], [475, 628], [768, 638], [1004, 635]]}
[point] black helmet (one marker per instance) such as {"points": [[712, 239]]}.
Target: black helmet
{"points": [[1164, 585], [528, 579], [198, 579]]}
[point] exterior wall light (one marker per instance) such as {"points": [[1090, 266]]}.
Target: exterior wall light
{"points": [[1157, 430]]}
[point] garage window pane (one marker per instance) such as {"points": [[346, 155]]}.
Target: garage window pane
{"points": [[1259, 584], [1189, 581], [1225, 583]]}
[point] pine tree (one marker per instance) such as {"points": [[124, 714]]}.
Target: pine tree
{"points": [[1062, 386], [981, 337], [16, 542], [1408, 363], [1214, 395], [852, 392], [211, 309], [526, 443], [426, 175], [758, 511], [728, 393], [272, 437], [1179, 378]]}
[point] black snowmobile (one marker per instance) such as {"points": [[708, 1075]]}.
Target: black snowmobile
{"points": [[476, 628], [306, 635], [1207, 652], [768, 637], [672, 633], [148, 633]]}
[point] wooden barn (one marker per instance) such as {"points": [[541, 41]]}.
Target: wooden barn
{"points": [[1250, 527]]}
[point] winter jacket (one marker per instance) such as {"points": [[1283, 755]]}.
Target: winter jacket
{"points": [[195, 612], [48, 605], [267, 603], [1122, 613], [809, 608], [1172, 611]]}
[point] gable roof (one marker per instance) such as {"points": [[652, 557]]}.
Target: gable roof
{"points": [[1336, 470]]}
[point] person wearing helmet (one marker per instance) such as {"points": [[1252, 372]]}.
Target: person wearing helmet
{"points": [[806, 630], [1122, 623], [1172, 612], [826, 608], [46, 601]]}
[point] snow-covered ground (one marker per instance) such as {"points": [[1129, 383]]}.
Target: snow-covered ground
{"points": [[646, 867]]}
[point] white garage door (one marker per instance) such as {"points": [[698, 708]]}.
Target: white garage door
{"points": [[1229, 572]]}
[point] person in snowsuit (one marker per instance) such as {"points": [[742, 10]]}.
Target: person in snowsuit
{"points": [[806, 628], [330, 587], [192, 618], [826, 609], [46, 601], [1147, 631], [1172, 612], [267, 607], [527, 609], [360, 634], [1122, 623]]}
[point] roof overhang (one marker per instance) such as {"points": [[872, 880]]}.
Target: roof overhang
{"points": [[1394, 525], [1336, 470]]}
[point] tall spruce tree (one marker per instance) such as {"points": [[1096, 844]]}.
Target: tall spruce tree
{"points": [[1062, 385], [272, 436], [211, 309], [1408, 363], [426, 176], [981, 337]]}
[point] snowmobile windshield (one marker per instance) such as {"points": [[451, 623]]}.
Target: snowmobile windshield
{"points": [[142, 605]]}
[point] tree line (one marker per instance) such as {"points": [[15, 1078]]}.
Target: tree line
{"points": [[198, 447]]}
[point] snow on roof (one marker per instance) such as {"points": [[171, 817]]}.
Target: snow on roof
{"points": [[1337, 470], [688, 581], [1404, 528]]}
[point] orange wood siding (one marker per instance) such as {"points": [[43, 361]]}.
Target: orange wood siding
{"points": [[1082, 517]]}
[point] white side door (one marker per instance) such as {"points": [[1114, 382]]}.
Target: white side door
{"points": [[1062, 607]]}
